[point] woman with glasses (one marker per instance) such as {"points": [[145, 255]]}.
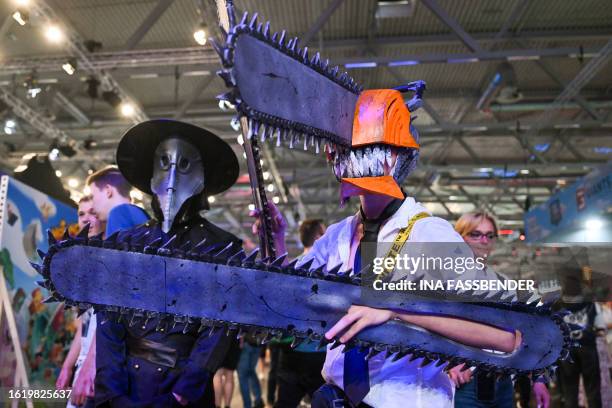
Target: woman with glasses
{"points": [[479, 230]]}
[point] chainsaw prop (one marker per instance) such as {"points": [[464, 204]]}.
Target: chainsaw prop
{"points": [[296, 100]]}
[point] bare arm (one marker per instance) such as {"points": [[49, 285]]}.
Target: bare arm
{"points": [[462, 331], [63, 380]]}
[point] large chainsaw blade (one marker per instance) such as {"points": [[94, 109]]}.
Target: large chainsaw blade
{"points": [[278, 86], [243, 293]]}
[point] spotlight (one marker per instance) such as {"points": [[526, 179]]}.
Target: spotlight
{"points": [[594, 224], [276, 199], [200, 35], [54, 34], [240, 140], [86, 190], [127, 109], [112, 98], [9, 126], [58, 173], [22, 3], [70, 66], [73, 183], [251, 207], [266, 175], [270, 187], [211, 199], [21, 17]]}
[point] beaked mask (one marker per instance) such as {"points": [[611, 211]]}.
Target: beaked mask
{"points": [[178, 174]]}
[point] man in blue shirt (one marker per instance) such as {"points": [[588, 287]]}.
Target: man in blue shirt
{"points": [[110, 193]]}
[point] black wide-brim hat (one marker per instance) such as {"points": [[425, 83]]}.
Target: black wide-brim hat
{"points": [[136, 152]]}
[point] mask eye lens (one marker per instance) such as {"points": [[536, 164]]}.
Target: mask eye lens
{"points": [[183, 164], [164, 161]]}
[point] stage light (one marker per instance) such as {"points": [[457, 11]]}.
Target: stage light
{"points": [[275, 199], [70, 66], [86, 190], [524, 171], [251, 207], [9, 126], [73, 183], [593, 224], [270, 187], [266, 175], [54, 34], [58, 173], [127, 109], [211, 199], [21, 17], [522, 237], [22, 3], [240, 140], [200, 35]]}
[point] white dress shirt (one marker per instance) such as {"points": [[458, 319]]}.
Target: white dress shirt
{"points": [[392, 384]]}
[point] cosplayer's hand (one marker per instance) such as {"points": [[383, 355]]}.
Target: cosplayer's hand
{"points": [[180, 399], [63, 380], [459, 378], [84, 384], [279, 224], [542, 396], [356, 319]]}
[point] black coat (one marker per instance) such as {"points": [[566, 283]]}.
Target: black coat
{"points": [[126, 381]]}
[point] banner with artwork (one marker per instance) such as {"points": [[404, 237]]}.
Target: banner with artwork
{"points": [[44, 330]]}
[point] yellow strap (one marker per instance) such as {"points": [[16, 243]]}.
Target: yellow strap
{"points": [[400, 240]]}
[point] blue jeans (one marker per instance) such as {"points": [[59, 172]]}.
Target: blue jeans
{"points": [[465, 396], [247, 377]]}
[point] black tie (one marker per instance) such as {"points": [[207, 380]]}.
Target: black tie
{"points": [[356, 373]]}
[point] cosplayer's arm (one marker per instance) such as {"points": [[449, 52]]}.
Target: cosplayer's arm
{"points": [[84, 384], [462, 331], [63, 380], [205, 358]]}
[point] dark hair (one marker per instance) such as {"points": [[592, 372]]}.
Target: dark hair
{"points": [[85, 199], [309, 229], [110, 175]]}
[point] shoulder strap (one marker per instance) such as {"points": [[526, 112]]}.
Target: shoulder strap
{"points": [[400, 240]]}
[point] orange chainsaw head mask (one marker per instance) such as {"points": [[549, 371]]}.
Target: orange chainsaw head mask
{"points": [[385, 145]]}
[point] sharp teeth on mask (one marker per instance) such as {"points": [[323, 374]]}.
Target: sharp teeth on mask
{"points": [[291, 140], [355, 167], [305, 141], [388, 156], [278, 137], [251, 131], [318, 146], [271, 130]]}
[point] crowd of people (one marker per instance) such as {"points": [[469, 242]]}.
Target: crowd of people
{"points": [[111, 363]]}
